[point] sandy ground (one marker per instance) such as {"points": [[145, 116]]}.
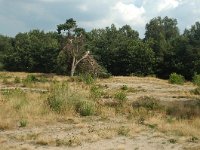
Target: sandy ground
{"points": [[96, 133], [91, 134]]}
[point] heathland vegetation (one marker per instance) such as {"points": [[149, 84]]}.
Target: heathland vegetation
{"points": [[44, 108], [55, 112]]}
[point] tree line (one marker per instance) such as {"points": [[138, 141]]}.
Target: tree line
{"points": [[120, 51]]}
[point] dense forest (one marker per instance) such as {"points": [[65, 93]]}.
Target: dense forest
{"points": [[119, 50]]}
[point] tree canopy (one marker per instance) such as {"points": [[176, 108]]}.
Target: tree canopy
{"points": [[119, 50]]}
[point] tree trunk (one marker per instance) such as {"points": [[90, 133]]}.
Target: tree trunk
{"points": [[73, 67], [76, 62]]}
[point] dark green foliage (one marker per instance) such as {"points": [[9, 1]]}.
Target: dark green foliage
{"points": [[6, 45], [34, 51], [176, 79], [119, 50], [160, 32]]}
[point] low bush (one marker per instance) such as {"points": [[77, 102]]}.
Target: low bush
{"points": [[175, 78], [196, 79], [58, 97], [149, 103], [23, 123], [183, 110], [85, 108], [120, 97], [30, 78], [87, 78], [124, 87], [62, 99], [95, 92]]}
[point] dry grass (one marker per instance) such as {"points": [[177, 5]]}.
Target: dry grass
{"points": [[176, 127], [16, 105], [121, 120]]}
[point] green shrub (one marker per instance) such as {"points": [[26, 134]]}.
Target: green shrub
{"points": [[17, 80], [56, 104], [196, 79], [61, 99], [124, 87], [31, 78], [95, 92], [149, 103], [23, 123], [176, 79], [85, 108], [120, 97], [87, 78], [59, 95]]}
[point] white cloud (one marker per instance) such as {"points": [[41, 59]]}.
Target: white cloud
{"points": [[129, 13], [89, 14], [164, 5], [119, 14], [83, 7]]}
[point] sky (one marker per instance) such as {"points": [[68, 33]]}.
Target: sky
{"points": [[25, 15]]}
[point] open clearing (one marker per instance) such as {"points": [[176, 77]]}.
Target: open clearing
{"points": [[110, 128]]}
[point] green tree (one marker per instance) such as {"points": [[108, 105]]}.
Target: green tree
{"points": [[161, 31], [34, 51], [121, 51], [6, 45]]}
